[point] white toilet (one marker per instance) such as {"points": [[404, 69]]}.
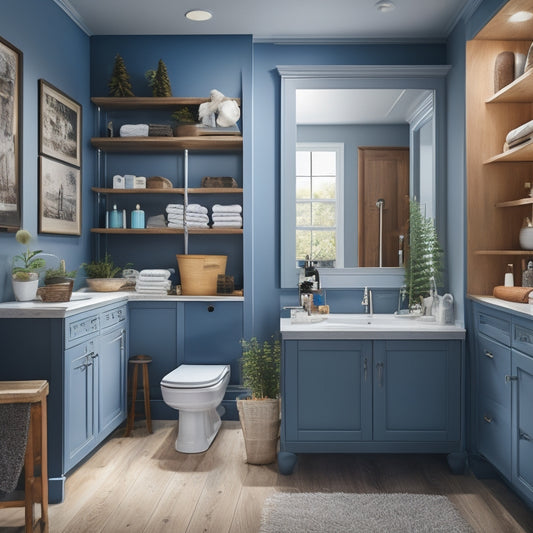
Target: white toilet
{"points": [[196, 391]]}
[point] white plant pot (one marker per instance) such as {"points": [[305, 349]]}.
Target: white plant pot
{"points": [[526, 238], [25, 291]]}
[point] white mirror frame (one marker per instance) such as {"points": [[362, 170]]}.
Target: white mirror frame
{"points": [[293, 77]]}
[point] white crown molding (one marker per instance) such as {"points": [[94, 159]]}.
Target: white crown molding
{"points": [[287, 40], [67, 7], [362, 71]]}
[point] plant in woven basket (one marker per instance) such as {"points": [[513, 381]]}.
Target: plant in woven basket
{"points": [[259, 415], [59, 274]]}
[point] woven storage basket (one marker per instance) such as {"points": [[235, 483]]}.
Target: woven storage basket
{"points": [[260, 421], [59, 292], [198, 273]]}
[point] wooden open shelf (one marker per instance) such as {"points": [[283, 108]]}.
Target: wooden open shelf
{"points": [[148, 102], [168, 231], [168, 144], [179, 190], [521, 153], [503, 252], [519, 91], [515, 203]]}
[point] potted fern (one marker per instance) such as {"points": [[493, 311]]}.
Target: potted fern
{"points": [[101, 275], [259, 413], [423, 267]]}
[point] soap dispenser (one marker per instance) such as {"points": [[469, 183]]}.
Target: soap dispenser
{"points": [[509, 278], [137, 217], [115, 218]]}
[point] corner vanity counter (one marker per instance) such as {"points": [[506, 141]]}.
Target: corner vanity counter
{"points": [[375, 384]]}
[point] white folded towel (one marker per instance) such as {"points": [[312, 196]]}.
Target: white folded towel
{"points": [[228, 218], [194, 217], [175, 224], [227, 224], [197, 208], [521, 131], [160, 292], [134, 130], [154, 273], [174, 217], [174, 208], [194, 224], [153, 282], [141, 285], [235, 208]]}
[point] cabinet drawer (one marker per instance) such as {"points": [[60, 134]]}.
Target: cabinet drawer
{"points": [[494, 424], [523, 337], [77, 330], [493, 364], [112, 317], [495, 327]]}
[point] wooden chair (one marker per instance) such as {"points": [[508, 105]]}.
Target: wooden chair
{"points": [[36, 457], [136, 361]]}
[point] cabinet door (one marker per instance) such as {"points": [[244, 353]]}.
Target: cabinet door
{"points": [[492, 364], [327, 390], [111, 381], [522, 433], [80, 430], [417, 391]]}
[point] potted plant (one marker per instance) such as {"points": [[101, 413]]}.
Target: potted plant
{"points": [[101, 275], [260, 413], [25, 269], [423, 267], [53, 276]]}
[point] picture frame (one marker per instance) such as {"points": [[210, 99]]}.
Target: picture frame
{"points": [[10, 136], [59, 197], [59, 125]]}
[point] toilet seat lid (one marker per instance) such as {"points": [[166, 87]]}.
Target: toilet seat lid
{"points": [[195, 376]]}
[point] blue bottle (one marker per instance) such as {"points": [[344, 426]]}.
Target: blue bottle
{"points": [[115, 218], [137, 217]]}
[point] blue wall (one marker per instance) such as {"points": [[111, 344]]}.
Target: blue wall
{"points": [[56, 50]]}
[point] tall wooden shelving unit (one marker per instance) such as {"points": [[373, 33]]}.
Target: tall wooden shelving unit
{"points": [[498, 198]]}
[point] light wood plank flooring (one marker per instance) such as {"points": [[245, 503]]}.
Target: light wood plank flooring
{"points": [[141, 484]]}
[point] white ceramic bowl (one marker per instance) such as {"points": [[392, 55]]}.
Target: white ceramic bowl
{"points": [[526, 238]]}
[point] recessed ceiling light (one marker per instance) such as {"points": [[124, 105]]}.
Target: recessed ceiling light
{"points": [[521, 16], [198, 15], [385, 5]]}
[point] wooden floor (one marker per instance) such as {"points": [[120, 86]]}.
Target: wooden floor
{"points": [[141, 483]]}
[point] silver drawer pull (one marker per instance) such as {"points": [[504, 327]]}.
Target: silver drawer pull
{"points": [[489, 355], [524, 338], [488, 419], [524, 436], [511, 378]]}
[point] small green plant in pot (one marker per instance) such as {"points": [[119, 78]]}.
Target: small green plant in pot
{"points": [[25, 269], [101, 275], [60, 274], [260, 414]]}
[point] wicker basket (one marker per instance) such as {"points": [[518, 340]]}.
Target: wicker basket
{"points": [[105, 284], [59, 292], [199, 273], [260, 421]]}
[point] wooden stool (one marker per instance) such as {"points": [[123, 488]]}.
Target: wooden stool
{"points": [[144, 361], [35, 481]]}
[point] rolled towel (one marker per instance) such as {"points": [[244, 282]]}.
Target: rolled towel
{"points": [[512, 294], [134, 130], [227, 224], [235, 208], [155, 273]]}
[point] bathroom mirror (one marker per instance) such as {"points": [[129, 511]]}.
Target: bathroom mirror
{"points": [[338, 126]]}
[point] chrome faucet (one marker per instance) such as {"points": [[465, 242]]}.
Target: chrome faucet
{"points": [[367, 302]]}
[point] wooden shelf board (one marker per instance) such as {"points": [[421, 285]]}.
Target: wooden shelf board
{"points": [[515, 203], [503, 252], [215, 190], [518, 91], [148, 102], [168, 231], [522, 152], [103, 190], [168, 144]]}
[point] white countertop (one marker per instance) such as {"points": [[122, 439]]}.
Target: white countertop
{"points": [[523, 309], [84, 301], [379, 326]]}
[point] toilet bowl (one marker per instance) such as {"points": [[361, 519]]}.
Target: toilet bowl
{"points": [[196, 391]]}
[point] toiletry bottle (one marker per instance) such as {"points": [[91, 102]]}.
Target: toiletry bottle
{"points": [[509, 278], [527, 275], [137, 217], [115, 218]]}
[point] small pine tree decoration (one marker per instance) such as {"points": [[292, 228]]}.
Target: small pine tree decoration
{"points": [[158, 80], [424, 260], [120, 85], [261, 367]]}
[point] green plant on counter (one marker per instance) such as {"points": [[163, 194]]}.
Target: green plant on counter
{"points": [[103, 268], [260, 364], [424, 260], [27, 261], [59, 274]]}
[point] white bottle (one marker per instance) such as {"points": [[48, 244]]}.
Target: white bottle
{"points": [[509, 278]]}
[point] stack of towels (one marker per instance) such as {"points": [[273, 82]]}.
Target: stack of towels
{"points": [[154, 282], [227, 216], [195, 216]]}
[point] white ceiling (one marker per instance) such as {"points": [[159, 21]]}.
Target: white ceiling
{"points": [[271, 20]]}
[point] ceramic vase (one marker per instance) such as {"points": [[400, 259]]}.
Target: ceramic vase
{"points": [[25, 290], [526, 238]]}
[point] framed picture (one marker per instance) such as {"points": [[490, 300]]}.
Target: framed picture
{"points": [[59, 125], [10, 125], [59, 197]]}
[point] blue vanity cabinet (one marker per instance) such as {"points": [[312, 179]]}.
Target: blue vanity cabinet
{"points": [[327, 394], [417, 392]]}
